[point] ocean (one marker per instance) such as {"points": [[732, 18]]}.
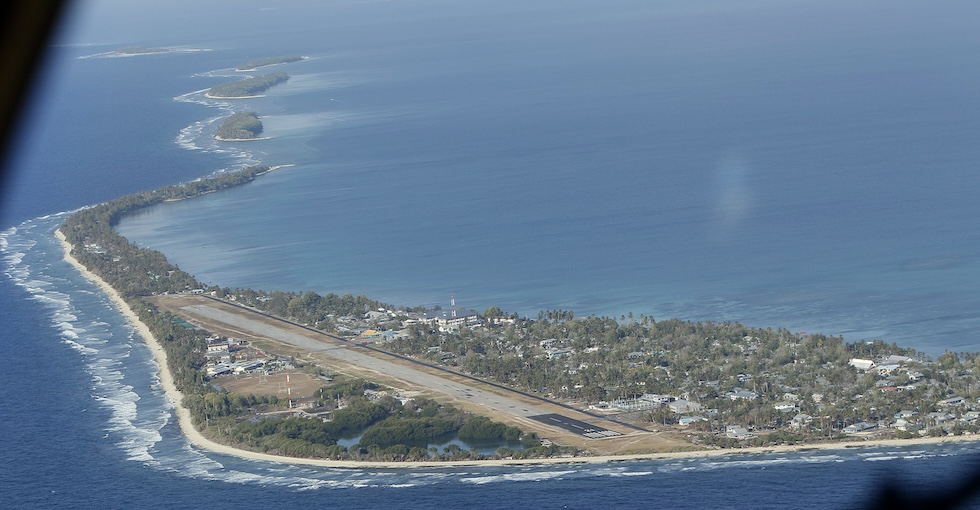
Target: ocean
{"points": [[807, 165]]}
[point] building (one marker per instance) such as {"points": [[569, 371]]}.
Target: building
{"points": [[886, 368], [786, 407], [737, 432], [452, 320], [861, 364], [949, 402], [801, 420], [681, 406], [860, 426], [687, 420], [742, 395]]}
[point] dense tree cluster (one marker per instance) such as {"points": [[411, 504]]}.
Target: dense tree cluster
{"points": [[268, 61], [248, 86], [307, 308], [482, 428], [388, 429], [240, 126]]}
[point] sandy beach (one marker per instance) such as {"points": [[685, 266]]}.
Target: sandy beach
{"points": [[209, 96], [222, 139], [197, 439]]}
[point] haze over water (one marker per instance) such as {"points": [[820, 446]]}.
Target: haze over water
{"points": [[809, 166]]}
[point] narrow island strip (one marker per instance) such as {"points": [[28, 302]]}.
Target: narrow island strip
{"points": [[247, 88], [252, 65], [141, 279], [198, 439]]}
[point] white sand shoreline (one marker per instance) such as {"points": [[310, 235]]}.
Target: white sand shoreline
{"points": [[209, 96], [198, 439], [223, 139]]}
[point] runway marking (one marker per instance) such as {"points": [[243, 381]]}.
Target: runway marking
{"points": [[576, 426]]}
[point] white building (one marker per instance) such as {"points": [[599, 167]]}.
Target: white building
{"points": [[861, 364]]}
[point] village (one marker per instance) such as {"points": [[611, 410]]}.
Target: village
{"points": [[753, 395]]}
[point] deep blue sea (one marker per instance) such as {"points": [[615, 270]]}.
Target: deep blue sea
{"points": [[808, 165]]}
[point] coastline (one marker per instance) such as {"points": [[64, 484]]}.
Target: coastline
{"points": [[197, 439], [209, 96], [221, 139]]}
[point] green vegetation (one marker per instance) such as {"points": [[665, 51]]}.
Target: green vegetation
{"points": [[240, 126], [268, 61], [249, 86], [484, 429], [248, 421], [138, 272], [730, 375], [389, 430], [140, 50]]}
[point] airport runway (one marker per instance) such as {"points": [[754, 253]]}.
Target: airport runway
{"points": [[348, 354]]}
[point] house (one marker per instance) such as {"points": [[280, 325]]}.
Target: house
{"points": [[375, 316], [915, 376], [903, 424], [860, 426], [861, 364], [886, 368], [737, 432], [949, 402], [549, 343], [800, 420], [687, 420], [559, 353], [391, 335], [742, 395], [786, 407], [896, 359]]}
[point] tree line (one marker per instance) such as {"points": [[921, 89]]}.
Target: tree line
{"points": [[240, 126], [137, 273], [248, 86], [267, 61]]}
